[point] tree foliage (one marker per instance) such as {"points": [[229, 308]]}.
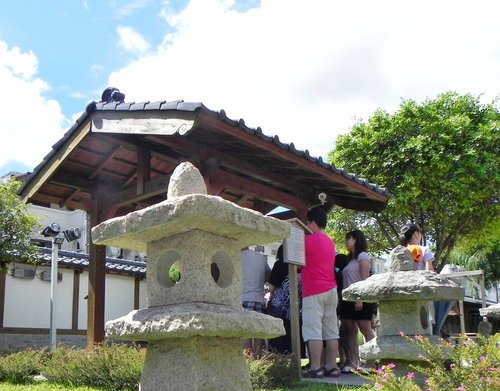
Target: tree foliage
{"points": [[16, 227], [480, 250], [439, 159]]}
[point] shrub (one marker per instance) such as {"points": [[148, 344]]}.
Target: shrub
{"points": [[20, 367], [468, 365], [113, 367], [272, 370]]}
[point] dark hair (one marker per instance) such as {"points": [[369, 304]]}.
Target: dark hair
{"points": [[279, 253], [360, 244], [318, 215], [407, 232], [341, 261]]}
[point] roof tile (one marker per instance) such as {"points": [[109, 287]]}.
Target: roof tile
{"points": [[154, 105]]}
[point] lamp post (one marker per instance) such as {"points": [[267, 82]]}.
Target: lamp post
{"points": [[53, 231], [56, 244]]}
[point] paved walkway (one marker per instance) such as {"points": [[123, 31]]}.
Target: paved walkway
{"points": [[346, 379]]}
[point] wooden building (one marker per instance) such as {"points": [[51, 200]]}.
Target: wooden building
{"points": [[118, 157]]}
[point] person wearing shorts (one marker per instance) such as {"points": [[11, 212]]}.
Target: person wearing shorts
{"points": [[319, 298]]}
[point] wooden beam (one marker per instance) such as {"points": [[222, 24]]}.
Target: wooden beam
{"points": [[54, 162], [143, 169], [70, 197], [84, 203], [275, 150], [254, 189], [129, 180], [263, 206], [212, 159], [142, 122], [124, 197], [105, 161], [242, 199], [67, 179], [132, 142]]}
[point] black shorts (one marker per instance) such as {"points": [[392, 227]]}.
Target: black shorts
{"points": [[347, 311]]}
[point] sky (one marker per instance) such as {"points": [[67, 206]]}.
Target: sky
{"points": [[306, 71]]}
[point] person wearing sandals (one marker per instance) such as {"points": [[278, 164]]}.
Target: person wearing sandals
{"points": [[319, 298], [279, 304], [357, 316]]}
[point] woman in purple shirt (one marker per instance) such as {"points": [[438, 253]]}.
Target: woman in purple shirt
{"points": [[356, 315]]}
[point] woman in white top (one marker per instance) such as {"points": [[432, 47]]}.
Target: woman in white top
{"points": [[356, 315], [411, 235]]}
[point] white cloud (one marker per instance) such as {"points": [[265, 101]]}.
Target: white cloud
{"points": [[307, 70], [131, 41], [124, 9], [30, 123]]}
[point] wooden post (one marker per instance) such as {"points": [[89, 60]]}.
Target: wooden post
{"points": [[96, 286], [76, 297], [294, 313], [462, 316], [137, 287]]}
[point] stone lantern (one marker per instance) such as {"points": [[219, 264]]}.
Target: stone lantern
{"points": [[193, 326], [404, 298]]}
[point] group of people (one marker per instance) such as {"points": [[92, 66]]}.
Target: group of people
{"points": [[329, 325]]}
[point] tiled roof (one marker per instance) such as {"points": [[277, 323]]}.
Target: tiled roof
{"points": [[81, 261], [180, 105]]}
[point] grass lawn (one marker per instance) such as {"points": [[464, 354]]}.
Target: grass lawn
{"points": [[55, 387], [41, 387]]}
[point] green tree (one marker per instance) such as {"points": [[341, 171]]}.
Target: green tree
{"points": [[439, 159], [16, 227], [480, 250]]}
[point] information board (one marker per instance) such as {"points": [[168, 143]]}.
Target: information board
{"points": [[294, 247]]}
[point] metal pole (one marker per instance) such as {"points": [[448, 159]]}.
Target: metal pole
{"points": [[53, 292]]}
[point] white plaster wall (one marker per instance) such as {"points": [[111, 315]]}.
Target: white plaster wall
{"points": [[119, 296], [27, 302], [66, 219], [82, 301]]}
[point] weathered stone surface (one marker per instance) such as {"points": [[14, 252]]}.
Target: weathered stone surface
{"points": [[404, 285], [186, 179], [392, 347], [484, 328], [194, 324], [400, 259], [181, 214], [492, 311], [194, 254], [408, 316], [206, 364], [193, 319]]}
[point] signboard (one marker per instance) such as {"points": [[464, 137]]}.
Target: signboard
{"points": [[294, 247]]}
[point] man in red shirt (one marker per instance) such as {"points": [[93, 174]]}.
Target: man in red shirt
{"points": [[319, 293]]}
